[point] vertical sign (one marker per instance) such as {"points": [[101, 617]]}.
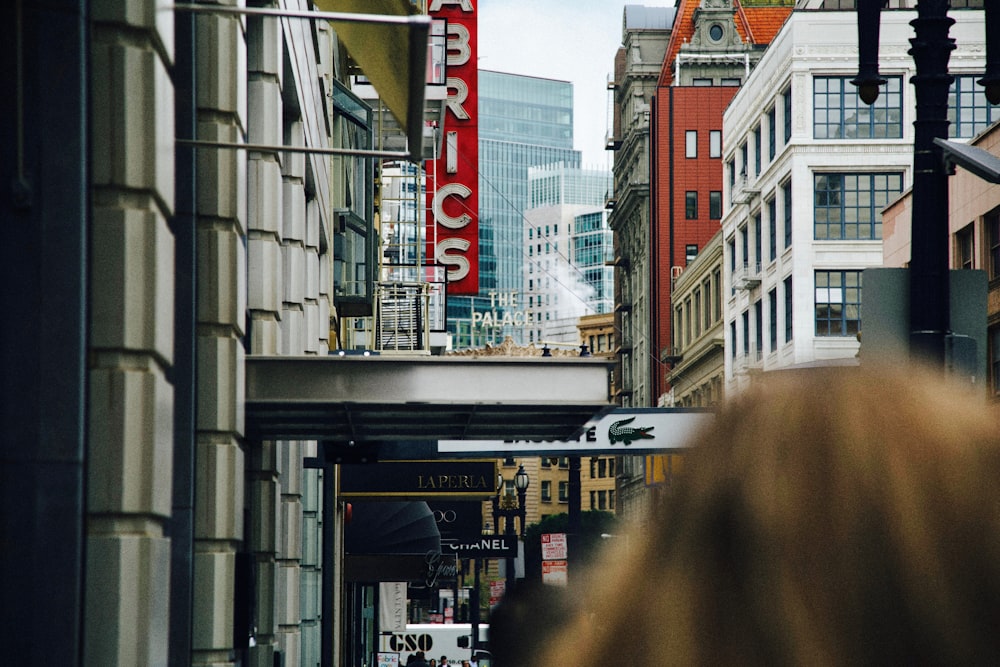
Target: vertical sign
{"points": [[453, 179]]}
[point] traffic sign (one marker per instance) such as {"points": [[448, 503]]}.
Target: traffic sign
{"points": [[554, 546]]}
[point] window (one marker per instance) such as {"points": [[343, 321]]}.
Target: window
{"points": [[745, 245], [690, 252], [546, 490], [772, 312], [691, 143], [788, 309], [838, 303], [745, 157], [563, 492], [786, 99], [715, 32], [757, 234], [715, 205], [849, 206], [993, 234], [701, 82], [758, 316], [732, 337], [715, 143], [838, 112], [727, 81], [786, 192], [968, 110], [746, 333], [772, 231], [964, 248], [732, 264], [731, 168], [691, 205], [717, 290], [772, 133], [756, 150], [706, 290]]}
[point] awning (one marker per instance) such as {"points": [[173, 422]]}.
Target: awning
{"points": [[394, 541], [393, 55], [389, 398], [388, 527]]}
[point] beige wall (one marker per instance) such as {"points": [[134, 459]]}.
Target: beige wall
{"points": [[131, 337]]}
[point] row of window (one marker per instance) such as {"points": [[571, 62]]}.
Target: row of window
{"points": [[714, 143], [700, 311], [837, 312], [846, 206], [546, 491], [602, 500], [966, 256], [714, 205], [531, 231], [601, 343], [753, 347], [839, 113]]}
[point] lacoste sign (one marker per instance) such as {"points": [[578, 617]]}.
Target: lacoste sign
{"points": [[620, 431]]}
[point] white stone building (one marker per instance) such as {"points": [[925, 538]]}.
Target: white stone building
{"points": [[809, 169]]}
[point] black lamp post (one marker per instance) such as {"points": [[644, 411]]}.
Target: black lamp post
{"points": [[931, 49], [508, 507]]}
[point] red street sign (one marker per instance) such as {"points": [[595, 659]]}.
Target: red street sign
{"points": [[554, 546]]}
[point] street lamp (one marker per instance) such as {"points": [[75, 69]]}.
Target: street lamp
{"points": [[931, 50], [508, 507]]}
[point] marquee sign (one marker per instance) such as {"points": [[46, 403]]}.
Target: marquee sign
{"points": [[419, 480], [453, 180], [621, 431]]}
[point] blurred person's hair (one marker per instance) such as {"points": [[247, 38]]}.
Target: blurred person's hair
{"points": [[827, 517]]}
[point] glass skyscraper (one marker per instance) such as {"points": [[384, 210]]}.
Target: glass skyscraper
{"points": [[568, 247], [524, 121]]}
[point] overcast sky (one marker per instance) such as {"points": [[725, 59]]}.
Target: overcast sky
{"points": [[570, 40]]}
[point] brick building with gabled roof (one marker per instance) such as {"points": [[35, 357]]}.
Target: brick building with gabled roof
{"points": [[713, 47]]}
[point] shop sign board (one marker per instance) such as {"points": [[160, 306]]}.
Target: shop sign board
{"points": [[488, 546], [620, 431], [453, 178], [419, 480]]}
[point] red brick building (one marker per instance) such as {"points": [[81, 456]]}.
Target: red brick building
{"points": [[713, 46]]}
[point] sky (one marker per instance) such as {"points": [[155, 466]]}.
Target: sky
{"points": [[569, 40]]}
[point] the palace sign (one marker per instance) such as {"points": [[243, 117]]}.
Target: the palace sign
{"points": [[453, 180]]}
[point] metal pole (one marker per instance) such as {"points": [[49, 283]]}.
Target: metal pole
{"points": [[929, 291], [508, 529], [474, 603], [574, 518]]}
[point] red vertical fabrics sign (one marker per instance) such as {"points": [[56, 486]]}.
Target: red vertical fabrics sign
{"points": [[453, 179]]}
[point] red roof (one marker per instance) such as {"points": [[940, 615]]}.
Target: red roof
{"points": [[760, 23], [757, 25]]}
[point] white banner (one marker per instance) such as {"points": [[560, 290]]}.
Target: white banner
{"points": [[621, 431], [392, 606]]}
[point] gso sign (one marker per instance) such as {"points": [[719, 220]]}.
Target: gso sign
{"points": [[410, 642]]}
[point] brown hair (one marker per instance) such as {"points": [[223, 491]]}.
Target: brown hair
{"points": [[827, 517]]}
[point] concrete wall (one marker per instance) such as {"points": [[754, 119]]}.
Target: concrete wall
{"points": [[130, 403]]}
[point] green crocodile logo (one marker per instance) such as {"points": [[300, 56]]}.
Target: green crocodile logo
{"points": [[619, 432]]}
